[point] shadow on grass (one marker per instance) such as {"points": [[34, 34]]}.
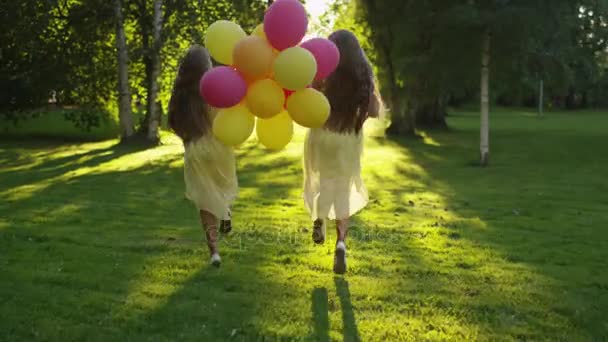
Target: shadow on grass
{"points": [[527, 204], [42, 165], [122, 253], [320, 310]]}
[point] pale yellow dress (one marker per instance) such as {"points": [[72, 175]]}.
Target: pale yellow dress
{"points": [[333, 188], [210, 175]]}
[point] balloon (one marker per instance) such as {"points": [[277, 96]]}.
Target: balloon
{"points": [[326, 54], [259, 31], [295, 68], [265, 98], [309, 108], [253, 57], [285, 23], [288, 93], [275, 133], [223, 87], [221, 38], [232, 126]]}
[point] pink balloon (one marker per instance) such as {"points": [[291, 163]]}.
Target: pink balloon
{"points": [[326, 53], [223, 87], [285, 24]]}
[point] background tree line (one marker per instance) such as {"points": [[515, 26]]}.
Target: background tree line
{"points": [[434, 53], [87, 54], [428, 54]]}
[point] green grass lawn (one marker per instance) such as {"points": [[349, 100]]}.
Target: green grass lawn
{"points": [[52, 124], [98, 243]]}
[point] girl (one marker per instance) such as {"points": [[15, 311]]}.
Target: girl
{"points": [[209, 166], [333, 188]]}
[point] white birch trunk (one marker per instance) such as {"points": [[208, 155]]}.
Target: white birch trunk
{"points": [[153, 112], [124, 92], [541, 96], [484, 144]]}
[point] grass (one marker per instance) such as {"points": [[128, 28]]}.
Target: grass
{"points": [[52, 124], [98, 243]]}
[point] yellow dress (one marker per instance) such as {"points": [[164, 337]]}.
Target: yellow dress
{"points": [[210, 175], [333, 188]]}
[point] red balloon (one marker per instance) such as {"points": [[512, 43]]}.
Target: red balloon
{"points": [[285, 24], [223, 87], [326, 54], [287, 95]]}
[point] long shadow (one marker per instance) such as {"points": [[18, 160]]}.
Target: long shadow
{"points": [[350, 331], [320, 310], [62, 165], [320, 316]]}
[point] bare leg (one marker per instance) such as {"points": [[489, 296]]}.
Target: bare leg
{"points": [[318, 233], [340, 253], [341, 229], [209, 222]]}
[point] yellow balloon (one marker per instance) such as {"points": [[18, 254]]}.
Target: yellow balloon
{"points": [[232, 126], [309, 108], [295, 68], [275, 133], [265, 98], [253, 57], [221, 38], [259, 31]]}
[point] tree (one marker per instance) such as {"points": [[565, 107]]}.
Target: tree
{"points": [[484, 141], [153, 109], [443, 48], [383, 39], [124, 91]]}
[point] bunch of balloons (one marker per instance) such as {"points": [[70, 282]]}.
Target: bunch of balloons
{"points": [[267, 77]]}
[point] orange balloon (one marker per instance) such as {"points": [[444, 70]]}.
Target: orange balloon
{"points": [[265, 98], [253, 57]]}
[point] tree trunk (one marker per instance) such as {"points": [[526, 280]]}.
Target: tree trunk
{"points": [[541, 96], [432, 114], [402, 123], [571, 99], [584, 100], [485, 101], [402, 119], [124, 92], [153, 89]]}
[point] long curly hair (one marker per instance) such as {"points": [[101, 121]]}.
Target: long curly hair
{"points": [[188, 112], [350, 88]]}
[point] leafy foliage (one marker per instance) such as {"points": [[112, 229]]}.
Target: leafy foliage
{"points": [[67, 48], [427, 52]]}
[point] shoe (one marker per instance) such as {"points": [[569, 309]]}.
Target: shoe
{"points": [[340, 258], [226, 223], [318, 231], [216, 260], [225, 226]]}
